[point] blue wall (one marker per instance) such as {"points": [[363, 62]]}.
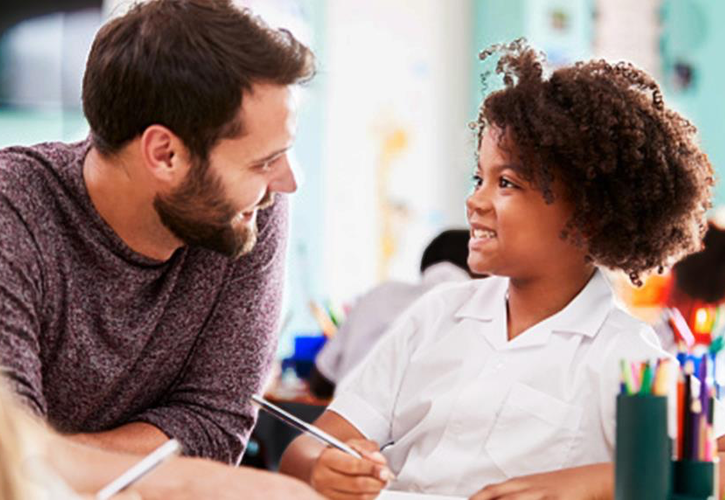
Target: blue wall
{"points": [[692, 35]]}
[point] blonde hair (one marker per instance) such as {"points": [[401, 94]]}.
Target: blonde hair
{"points": [[11, 449], [24, 472]]}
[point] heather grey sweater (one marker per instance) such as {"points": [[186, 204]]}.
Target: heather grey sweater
{"points": [[94, 335]]}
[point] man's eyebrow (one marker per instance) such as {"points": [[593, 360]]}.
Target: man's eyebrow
{"points": [[270, 156]]}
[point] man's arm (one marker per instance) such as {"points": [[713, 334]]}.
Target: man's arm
{"points": [[88, 469], [137, 438], [21, 298], [209, 409]]}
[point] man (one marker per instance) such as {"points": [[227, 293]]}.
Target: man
{"points": [[141, 270]]}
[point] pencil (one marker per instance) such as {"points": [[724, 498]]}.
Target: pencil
{"points": [[146, 465], [303, 426], [645, 388], [626, 378], [686, 412]]}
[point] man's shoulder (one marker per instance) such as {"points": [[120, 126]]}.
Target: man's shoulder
{"points": [[14, 158], [28, 170]]}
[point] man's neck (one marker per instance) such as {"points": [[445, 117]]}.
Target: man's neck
{"points": [[123, 197]]}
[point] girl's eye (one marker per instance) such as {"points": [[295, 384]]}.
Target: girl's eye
{"points": [[503, 182], [476, 180]]}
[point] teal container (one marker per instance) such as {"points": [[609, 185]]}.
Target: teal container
{"points": [[694, 480], [643, 449]]}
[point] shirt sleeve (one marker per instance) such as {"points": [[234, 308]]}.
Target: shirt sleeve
{"points": [[20, 305], [209, 409], [367, 396]]}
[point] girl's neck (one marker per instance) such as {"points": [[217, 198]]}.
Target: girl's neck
{"points": [[531, 301]]}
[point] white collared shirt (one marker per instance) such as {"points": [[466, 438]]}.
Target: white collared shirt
{"points": [[466, 407]]}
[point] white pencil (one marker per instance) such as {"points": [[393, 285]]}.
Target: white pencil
{"points": [[146, 465], [303, 426]]}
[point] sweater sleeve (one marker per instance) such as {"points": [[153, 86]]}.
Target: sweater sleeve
{"points": [[20, 306], [209, 409]]}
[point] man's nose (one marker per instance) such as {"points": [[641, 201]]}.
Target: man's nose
{"points": [[284, 181]]}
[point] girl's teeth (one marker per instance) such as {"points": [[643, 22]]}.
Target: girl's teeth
{"points": [[481, 234]]}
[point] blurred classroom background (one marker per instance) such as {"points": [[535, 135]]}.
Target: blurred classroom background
{"points": [[384, 153]]}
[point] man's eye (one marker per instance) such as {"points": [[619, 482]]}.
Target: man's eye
{"points": [[264, 166]]}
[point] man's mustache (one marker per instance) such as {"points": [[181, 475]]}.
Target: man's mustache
{"points": [[266, 202]]}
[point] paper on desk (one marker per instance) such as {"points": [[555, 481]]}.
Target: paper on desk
{"points": [[404, 495]]}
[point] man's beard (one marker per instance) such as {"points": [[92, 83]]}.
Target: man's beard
{"points": [[198, 213]]}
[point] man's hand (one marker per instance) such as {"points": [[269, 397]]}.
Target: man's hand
{"points": [[590, 482], [338, 475]]}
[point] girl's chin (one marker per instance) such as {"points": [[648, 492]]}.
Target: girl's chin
{"points": [[478, 267]]}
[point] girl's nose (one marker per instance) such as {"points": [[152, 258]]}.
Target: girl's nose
{"points": [[478, 201]]}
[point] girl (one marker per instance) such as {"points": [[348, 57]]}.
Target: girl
{"points": [[516, 376]]}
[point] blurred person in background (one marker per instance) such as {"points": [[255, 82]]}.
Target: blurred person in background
{"points": [[443, 261], [697, 291]]}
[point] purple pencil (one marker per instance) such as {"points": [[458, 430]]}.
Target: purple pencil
{"points": [[695, 419], [704, 396]]}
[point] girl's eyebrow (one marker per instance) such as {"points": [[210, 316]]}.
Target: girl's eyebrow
{"points": [[514, 167]]}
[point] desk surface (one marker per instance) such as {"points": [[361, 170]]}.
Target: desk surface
{"points": [[402, 495]]}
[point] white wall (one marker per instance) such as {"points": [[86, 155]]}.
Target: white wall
{"points": [[397, 76]]}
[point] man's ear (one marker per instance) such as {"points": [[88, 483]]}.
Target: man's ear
{"points": [[164, 155]]}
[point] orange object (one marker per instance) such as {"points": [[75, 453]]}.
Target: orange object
{"points": [[653, 292]]}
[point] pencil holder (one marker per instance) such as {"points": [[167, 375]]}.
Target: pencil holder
{"points": [[643, 449], [694, 480]]}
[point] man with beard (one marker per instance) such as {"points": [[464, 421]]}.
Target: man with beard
{"points": [[141, 270]]}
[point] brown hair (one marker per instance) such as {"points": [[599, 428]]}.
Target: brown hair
{"points": [[631, 167], [184, 64]]}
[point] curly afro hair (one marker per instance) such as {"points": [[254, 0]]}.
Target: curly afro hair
{"points": [[631, 168]]}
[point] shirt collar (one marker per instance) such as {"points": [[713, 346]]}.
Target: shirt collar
{"points": [[584, 315]]}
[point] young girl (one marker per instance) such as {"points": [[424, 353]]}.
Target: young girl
{"points": [[516, 376]]}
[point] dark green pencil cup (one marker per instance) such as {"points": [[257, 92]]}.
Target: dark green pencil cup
{"points": [[643, 450], [693, 480]]}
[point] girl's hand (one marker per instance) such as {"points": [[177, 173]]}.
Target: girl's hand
{"points": [[590, 482], [338, 475]]}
